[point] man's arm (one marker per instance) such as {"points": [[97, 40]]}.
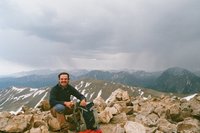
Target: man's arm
{"points": [[53, 98], [83, 102], [78, 95]]}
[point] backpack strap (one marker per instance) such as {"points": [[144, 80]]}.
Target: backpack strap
{"points": [[75, 112], [78, 117]]}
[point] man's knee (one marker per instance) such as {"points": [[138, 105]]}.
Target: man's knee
{"points": [[58, 108]]}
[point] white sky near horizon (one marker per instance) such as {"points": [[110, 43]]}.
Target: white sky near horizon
{"points": [[99, 34]]}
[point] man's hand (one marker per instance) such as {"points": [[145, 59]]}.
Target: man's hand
{"points": [[69, 104], [83, 102]]}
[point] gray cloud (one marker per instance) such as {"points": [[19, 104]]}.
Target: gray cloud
{"points": [[141, 34]]}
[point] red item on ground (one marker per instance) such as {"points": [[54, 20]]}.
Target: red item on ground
{"points": [[86, 131], [92, 131]]}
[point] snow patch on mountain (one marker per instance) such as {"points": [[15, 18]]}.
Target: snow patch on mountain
{"points": [[41, 100], [86, 94], [18, 89], [189, 97], [16, 112], [80, 85], [83, 91], [99, 94], [140, 92], [4, 102], [38, 92], [87, 84], [91, 95]]}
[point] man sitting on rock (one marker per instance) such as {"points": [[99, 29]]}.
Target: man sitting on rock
{"points": [[60, 102]]}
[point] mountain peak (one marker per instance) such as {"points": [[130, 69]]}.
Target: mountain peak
{"points": [[178, 80], [177, 71]]}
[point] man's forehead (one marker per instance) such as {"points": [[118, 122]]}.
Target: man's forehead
{"points": [[63, 75]]}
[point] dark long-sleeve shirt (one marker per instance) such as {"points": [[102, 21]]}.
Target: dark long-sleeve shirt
{"points": [[59, 95]]}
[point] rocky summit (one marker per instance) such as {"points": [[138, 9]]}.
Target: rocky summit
{"points": [[120, 113]]}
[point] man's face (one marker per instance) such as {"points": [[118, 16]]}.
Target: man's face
{"points": [[64, 80]]}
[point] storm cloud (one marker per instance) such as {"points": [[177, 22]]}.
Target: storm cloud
{"points": [[107, 34]]}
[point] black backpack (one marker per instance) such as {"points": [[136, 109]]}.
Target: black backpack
{"points": [[85, 117]]}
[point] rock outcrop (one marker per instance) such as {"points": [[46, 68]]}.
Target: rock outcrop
{"points": [[119, 114]]}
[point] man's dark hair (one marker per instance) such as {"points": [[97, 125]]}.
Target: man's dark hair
{"points": [[63, 73]]}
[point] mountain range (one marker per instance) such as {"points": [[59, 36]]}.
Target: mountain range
{"points": [[176, 80], [14, 98]]}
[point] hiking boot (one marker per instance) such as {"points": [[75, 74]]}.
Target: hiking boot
{"points": [[64, 130], [61, 118], [53, 112], [65, 125], [72, 126]]}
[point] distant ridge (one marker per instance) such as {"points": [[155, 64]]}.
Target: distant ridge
{"points": [[137, 78], [175, 79], [178, 80]]}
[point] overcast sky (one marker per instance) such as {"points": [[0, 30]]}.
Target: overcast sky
{"points": [[148, 35]]}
